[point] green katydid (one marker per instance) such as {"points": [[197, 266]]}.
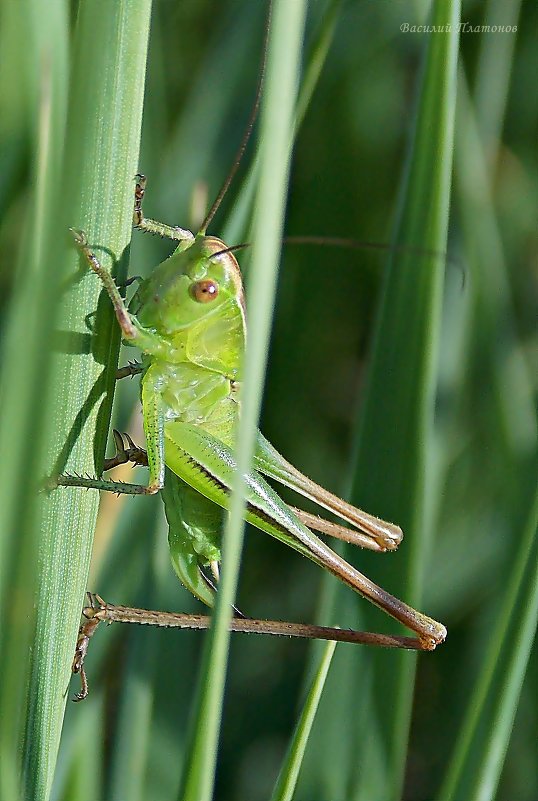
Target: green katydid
{"points": [[188, 319]]}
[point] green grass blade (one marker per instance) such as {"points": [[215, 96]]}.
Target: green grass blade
{"points": [[93, 190], [484, 735], [275, 129], [393, 476], [493, 70], [289, 774], [478, 759], [237, 222], [35, 111]]}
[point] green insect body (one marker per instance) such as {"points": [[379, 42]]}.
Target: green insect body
{"points": [[194, 301], [188, 319]]}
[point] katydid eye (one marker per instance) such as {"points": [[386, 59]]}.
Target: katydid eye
{"points": [[205, 291]]}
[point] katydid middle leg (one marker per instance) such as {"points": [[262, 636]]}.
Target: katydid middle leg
{"points": [[153, 456]]}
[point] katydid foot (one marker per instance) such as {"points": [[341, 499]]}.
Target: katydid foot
{"points": [[129, 371], [133, 453]]}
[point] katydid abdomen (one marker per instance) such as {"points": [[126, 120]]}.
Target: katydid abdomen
{"points": [[207, 399], [194, 533]]}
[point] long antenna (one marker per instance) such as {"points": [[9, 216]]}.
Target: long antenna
{"points": [[248, 131], [357, 244]]}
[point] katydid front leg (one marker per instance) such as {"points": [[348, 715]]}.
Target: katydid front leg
{"points": [[132, 332], [173, 232]]}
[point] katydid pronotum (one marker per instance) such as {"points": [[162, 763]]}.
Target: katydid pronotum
{"points": [[188, 320]]}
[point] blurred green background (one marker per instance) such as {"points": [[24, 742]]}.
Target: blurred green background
{"points": [[126, 740]]}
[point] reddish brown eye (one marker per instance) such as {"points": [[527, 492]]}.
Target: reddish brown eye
{"points": [[205, 291]]}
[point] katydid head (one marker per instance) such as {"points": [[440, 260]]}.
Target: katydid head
{"points": [[195, 284]]}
